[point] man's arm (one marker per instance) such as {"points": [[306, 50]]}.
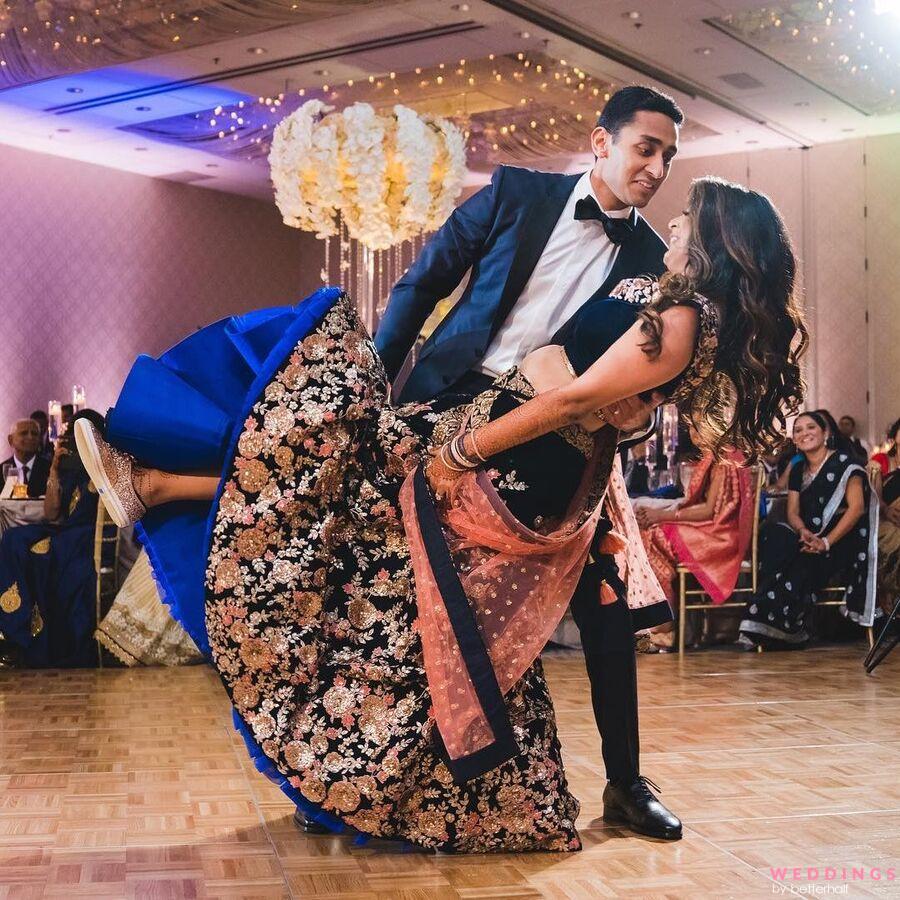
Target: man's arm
{"points": [[438, 270]]}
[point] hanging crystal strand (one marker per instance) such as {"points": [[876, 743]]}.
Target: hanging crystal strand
{"points": [[326, 271], [360, 298], [379, 293], [345, 257]]}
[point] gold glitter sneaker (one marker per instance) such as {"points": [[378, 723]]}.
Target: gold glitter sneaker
{"points": [[111, 472]]}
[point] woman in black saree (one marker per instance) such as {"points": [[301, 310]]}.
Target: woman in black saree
{"points": [[378, 630], [831, 531]]}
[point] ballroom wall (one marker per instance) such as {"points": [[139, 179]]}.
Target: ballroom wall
{"points": [[99, 265], [841, 202]]}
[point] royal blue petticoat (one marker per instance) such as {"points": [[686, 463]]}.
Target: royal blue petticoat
{"points": [[184, 412]]}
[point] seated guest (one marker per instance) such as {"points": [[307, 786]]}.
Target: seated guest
{"points": [[790, 456], [47, 578], [887, 461], [43, 421], [31, 468], [847, 427], [887, 489], [636, 471], [709, 531], [828, 534]]}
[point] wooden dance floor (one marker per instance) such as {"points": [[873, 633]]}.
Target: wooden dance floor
{"points": [[127, 783]]}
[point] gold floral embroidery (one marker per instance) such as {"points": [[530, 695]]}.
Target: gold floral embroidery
{"points": [[41, 547], [311, 612], [76, 499], [11, 599]]}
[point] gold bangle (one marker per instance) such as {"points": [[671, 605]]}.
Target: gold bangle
{"points": [[442, 454], [475, 449], [459, 455]]}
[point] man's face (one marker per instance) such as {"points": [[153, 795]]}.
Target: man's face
{"points": [[25, 439], [846, 426], [635, 162]]}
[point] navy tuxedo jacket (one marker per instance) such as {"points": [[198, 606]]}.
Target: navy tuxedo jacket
{"points": [[499, 233]]}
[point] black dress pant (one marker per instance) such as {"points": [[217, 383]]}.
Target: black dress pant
{"points": [[607, 639]]}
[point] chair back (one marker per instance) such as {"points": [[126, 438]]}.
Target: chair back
{"points": [[754, 540]]}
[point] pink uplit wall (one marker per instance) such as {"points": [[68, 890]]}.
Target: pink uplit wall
{"points": [[98, 266]]}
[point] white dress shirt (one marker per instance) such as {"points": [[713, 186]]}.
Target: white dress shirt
{"points": [[23, 468], [576, 261]]}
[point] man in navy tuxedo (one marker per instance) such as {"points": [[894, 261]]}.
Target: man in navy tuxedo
{"points": [[539, 245]]}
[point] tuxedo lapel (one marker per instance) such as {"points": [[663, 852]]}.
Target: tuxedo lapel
{"points": [[540, 219]]}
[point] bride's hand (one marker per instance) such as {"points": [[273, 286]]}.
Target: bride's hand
{"points": [[440, 477]]}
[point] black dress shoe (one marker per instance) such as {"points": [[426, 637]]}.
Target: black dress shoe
{"points": [[308, 826], [636, 807]]}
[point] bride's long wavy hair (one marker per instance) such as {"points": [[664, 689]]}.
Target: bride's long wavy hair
{"points": [[740, 257]]}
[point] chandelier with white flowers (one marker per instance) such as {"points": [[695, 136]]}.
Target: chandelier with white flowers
{"points": [[376, 179]]}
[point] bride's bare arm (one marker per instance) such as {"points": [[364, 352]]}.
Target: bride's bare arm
{"points": [[623, 371]]}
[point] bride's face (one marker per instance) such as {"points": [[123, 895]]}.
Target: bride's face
{"points": [[676, 257]]}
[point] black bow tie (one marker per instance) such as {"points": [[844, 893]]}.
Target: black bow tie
{"points": [[617, 230]]}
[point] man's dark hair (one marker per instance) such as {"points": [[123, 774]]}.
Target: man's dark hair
{"points": [[39, 416], [850, 419], [621, 108]]}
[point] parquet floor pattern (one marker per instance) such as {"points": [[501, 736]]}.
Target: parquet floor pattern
{"points": [[133, 784]]}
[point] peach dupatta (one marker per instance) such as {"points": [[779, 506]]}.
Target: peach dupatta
{"points": [[490, 592]]}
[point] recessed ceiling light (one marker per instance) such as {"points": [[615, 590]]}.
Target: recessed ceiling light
{"points": [[633, 14], [525, 35], [143, 108], [64, 130], [848, 129], [802, 103], [321, 72], [751, 142], [212, 165], [703, 51], [140, 149], [460, 7], [75, 90], [256, 51]]}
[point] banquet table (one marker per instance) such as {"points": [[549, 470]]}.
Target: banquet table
{"points": [[20, 512]]}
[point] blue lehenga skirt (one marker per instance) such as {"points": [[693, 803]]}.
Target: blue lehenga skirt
{"points": [[183, 412]]}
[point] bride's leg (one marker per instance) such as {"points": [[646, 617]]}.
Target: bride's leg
{"points": [[128, 489], [155, 487]]}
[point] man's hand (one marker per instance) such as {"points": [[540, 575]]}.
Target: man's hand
{"points": [[631, 414]]}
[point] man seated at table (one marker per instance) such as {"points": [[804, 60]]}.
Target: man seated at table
{"points": [[27, 464], [47, 577]]}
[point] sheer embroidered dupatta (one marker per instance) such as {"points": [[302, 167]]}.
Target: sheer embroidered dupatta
{"points": [[490, 592]]}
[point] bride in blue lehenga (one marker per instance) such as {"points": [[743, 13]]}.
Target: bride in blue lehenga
{"points": [[293, 569]]}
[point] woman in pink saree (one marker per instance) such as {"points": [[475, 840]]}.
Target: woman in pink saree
{"points": [[708, 532]]}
